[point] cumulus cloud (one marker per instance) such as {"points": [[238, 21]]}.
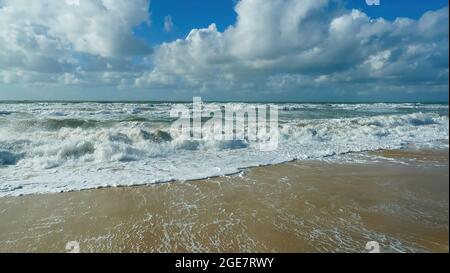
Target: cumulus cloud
{"points": [[98, 27], [288, 45], [60, 37], [273, 47]]}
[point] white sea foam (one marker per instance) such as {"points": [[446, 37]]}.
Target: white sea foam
{"points": [[53, 147]]}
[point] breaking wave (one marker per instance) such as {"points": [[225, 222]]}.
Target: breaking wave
{"points": [[85, 148]]}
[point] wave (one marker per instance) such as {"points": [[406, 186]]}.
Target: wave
{"points": [[52, 124], [8, 158], [55, 124], [73, 138], [70, 154]]}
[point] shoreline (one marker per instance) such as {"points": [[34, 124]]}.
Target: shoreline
{"points": [[405, 154], [297, 206]]}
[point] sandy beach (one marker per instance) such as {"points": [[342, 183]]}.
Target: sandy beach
{"points": [[243, 126], [293, 207]]}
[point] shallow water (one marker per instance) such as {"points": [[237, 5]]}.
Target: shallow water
{"points": [[293, 207]]}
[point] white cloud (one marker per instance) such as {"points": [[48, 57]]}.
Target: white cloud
{"points": [[58, 40], [274, 47], [97, 27], [168, 23], [287, 45], [266, 28]]}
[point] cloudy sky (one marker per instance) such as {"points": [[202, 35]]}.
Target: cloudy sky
{"points": [[277, 50]]}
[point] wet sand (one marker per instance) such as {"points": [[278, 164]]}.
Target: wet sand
{"points": [[291, 207], [420, 155]]}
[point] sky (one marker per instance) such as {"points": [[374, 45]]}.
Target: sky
{"points": [[238, 50]]}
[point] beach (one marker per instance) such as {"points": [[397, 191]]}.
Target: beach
{"points": [[400, 201], [116, 177], [243, 126]]}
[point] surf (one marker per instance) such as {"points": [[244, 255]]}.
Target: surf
{"points": [[86, 148]]}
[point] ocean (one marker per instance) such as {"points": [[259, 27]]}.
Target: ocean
{"points": [[48, 147]]}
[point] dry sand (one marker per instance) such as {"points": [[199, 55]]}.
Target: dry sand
{"points": [[292, 207]]}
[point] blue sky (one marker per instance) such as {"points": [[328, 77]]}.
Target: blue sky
{"points": [[290, 50], [187, 15], [200, 13]]}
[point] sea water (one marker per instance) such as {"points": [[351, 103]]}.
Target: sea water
{"points": [[64, 146]]}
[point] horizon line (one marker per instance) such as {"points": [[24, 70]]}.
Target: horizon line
{"points": [[227, 101]]}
